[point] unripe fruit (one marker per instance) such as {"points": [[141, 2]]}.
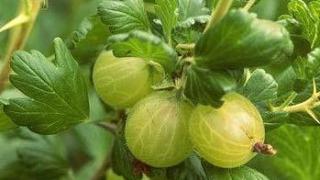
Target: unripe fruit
{"points": [[226, 136], [157, 130], [110, 175], [121, 82]]}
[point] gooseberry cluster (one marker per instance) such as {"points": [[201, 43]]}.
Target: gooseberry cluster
{"points": [[163, 127]]}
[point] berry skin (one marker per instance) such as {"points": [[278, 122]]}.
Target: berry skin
{"points": [[121, 82], [226, 136], [157, 130]]}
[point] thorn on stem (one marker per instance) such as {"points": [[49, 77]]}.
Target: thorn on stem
{"points": [[314, 86], [313, 115], [21, 19]]}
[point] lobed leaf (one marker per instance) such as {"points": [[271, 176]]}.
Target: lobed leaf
{"points": [[308, 17], [241, 173], [207, 87], [88, 40], [190, 169], [57, 93], [124, 16], [241, 40], [144, 45], [308, 67], [123, 160], [165, 10], [192, 11], [301, 45], [297, 157], [5, 122], [314, 7], [33, 157], [261, 87]]}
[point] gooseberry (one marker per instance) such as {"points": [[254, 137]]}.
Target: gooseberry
{"points": [[226, 136], [121, 82], [157, 129]]}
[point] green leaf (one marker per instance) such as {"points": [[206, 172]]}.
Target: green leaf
{"points": [[192, 11], [113, 176], [285, 77], [88, 40], [241, 40], [57, 93], [241, 173], [261, 87], [165, 10], [301, 46], [186, 35], [313, 64], [207, 87], [88, 146], [308, 67], [308, 18], [314, 7], [300, 90], [33, 158], [190, 169], [123, 160], [297, 157], [5, 122], [211, 3], [144, 45], [124, 16]]}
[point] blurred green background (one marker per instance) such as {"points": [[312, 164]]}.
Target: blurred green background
{"points": [[60, 19]]}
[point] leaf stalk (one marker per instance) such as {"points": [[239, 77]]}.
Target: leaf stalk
{"points": [[220, 11]]}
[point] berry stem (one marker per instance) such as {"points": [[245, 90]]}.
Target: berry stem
{"points": [[109, 127], [220, 11], [181, 80], [265, 149]]}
